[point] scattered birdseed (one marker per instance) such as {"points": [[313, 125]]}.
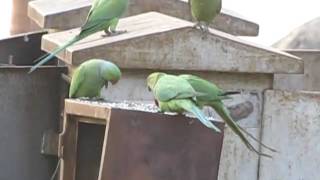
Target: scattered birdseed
{"points": [[145, 106]]}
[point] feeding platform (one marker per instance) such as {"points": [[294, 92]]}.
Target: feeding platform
{"points": [[62, 14], [133, 141], [158, 41]]}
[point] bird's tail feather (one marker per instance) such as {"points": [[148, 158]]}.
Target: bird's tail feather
{"points": [[225, 115], [255, 139], [47, 57], [189, 106]]}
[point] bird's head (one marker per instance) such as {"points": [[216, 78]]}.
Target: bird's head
{"points": [[110, 72], [153, 79]]}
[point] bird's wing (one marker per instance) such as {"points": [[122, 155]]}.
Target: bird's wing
{"points": [[103, 10], [171, 87], [77, 79]]}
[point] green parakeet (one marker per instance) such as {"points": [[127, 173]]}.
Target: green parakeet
{"points": [[103, 15], [204, 11], [213, 97], [174, 94], [91, 76]]}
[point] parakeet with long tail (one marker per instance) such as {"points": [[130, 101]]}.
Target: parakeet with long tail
{"points": [[174, 94], [213, 97], [91, 76], [103, 16], [204, 11]]}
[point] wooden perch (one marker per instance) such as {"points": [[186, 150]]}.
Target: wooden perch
{"points": [[62, 14]]}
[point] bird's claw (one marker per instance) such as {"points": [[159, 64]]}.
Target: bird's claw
{"points": [[110, 33], [197, 25], [204, 28]]}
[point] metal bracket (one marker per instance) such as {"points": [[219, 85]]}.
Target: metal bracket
{"points": [[49, 144]]}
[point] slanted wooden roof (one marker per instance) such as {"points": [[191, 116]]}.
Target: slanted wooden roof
{"points": [[157, 41]]}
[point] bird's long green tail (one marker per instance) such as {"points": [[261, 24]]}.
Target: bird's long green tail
{"points": [[44, 59], [225, 115], [189, 106]]}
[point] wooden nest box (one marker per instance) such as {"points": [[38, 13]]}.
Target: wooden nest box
{"points": [[131, 141]]}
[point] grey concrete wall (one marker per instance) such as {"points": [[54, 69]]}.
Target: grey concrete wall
{"points": [[309, 81], [291, 124]]}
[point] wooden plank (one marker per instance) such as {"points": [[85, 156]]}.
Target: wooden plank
{"points": [[81, 108], [68, 148], [291, 125], [157, 41], [104, 150], [67, 14]]}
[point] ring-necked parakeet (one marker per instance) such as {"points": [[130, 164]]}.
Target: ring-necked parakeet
{"points": [[103, 15], [175, 94], [213, 97], [91, 76], [204, 11]]}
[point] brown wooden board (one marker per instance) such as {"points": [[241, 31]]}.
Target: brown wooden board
{"points": [[145, 146]]}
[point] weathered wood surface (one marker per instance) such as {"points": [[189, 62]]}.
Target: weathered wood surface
{"points": [[68, 140], [67, 14], [157, 41], [291, 124], [87, 110], [309, 81]]}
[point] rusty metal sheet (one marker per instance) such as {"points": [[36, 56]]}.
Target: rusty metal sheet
{"points": [[29, 106], [21, 49], [144, 146]]}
